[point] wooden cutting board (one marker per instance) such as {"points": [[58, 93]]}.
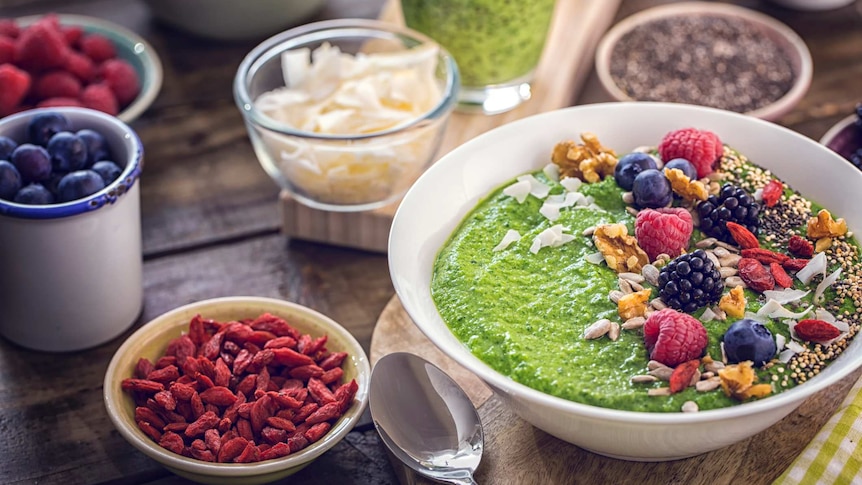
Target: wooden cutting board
{"points": [[517, 453], [566, 61]]}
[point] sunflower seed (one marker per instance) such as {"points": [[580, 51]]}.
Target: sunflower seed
{"points": [[631, 210], [707, 375], [714, 259], [597, 329], [695, 218], [689, 407], [720, 252], [636, 286], [650, 274], [614, 331], [589, 231], [707, 384], [641, 379], [694, 378], [705, 243], [634, 323], [625, 286], [628, 198], [659, 391], [733, 249], [658, 304], [731, 260], [713, 366], [615, 295], [727, 271], [662, 373], [632, 277], [719, 313], [723, 354], [654, 364], [734, 281]]}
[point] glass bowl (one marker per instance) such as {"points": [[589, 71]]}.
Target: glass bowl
{"points": [[338, 171]]}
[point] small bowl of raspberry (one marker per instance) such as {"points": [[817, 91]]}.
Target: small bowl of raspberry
{"points": [[59, 60]]}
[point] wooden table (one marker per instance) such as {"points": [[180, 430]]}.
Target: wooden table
{"points": [[211, 228]]}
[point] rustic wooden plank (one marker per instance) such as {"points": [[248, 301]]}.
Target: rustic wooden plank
{"points": [[516, 452], [575, 30]]}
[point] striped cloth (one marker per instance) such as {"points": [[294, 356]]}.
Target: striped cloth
{"points": [[835, 454]]}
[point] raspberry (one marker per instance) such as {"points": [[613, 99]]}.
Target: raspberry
{"points": [[9, 28], [700, 147], [122, 78], [57, 84], [59, 102], [72, 35], [81, 66], [7, 50], [100, 97], [41, 47], [98, 48], [672, 337], [665, 230], [14, 84]]}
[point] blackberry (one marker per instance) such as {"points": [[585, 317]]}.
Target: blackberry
{"points": [[689, 282], [732, 204]]}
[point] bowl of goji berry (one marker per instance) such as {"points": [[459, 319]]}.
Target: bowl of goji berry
{"points": [[237, 389]]}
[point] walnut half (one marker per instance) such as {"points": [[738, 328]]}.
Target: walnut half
{"points": [[589, 161], [620, 250]]}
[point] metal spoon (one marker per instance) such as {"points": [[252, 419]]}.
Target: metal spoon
{"points": [[425, 419]]}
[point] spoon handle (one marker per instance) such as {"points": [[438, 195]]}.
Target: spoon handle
{"points": [[468, 480]]}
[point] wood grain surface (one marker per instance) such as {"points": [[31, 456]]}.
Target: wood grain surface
{"points": [[211, 227], [517, 452], [566, 61]]}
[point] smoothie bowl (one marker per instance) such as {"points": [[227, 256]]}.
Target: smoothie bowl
{"points": [[574, 334]]}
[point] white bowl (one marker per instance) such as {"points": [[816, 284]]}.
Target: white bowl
{"points": [[452, 187], [793, 46], [151, 340]]}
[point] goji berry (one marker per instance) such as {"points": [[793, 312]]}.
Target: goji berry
{"points": [[305, 372], [276, 451], [291, 358], [743, 237], [165, 374], [280, 342], [218, 395], [333, 360], [212, 440], [141, 385], [816, 330], [150, 430], [757, 277], [682, 375], [780, 276], [324, 413], [800, 247], [765, 256], [197, 332], [166, 400], [332, 375], [147, 415], [319, 392], [231, 449], [197, 405], [172, 441], [273, 435], [772, 192], [207, 421], [143, 367], [794, 264]]}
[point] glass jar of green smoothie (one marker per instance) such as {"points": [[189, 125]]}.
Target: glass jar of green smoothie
{"points": [[496, 43]]}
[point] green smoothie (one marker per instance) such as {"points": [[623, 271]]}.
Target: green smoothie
{"points": [[493, 41]]}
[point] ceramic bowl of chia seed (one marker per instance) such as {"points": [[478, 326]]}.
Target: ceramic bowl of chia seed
{"points": [[708, 54], [468, 188]]}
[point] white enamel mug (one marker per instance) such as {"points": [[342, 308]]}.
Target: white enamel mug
{"points": [[70, 273]]}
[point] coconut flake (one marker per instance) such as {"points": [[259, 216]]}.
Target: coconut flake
{"points": [[510, 237], [758, 195], [565, 238], [572, 184], [785, 356], [773, 309], [795, 347], [550, 211], [842, 326], [785, 296], [815, 266], [595, 258], [552, 171], [519, 190], [536, 246], [822, 314], [537, 189], [780, 340], [573, 198], [826, 283], [708, 315]]}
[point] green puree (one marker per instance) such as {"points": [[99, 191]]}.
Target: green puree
{"points": [[493, 41], [524, 314]]}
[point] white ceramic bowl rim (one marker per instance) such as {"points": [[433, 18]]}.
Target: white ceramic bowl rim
{"points": [[451, 161], [191, 465], [145, 52], [802, 78], [109, 195], [320, 31]]}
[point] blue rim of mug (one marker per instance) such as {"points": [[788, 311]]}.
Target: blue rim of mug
{"points": [[109, 195], [320, 32]]}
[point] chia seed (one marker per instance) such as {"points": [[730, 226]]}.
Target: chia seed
{"points": [[702, 59]]}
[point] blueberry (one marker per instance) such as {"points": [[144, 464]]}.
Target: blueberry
{"points": [[749, 340], [109, 171], [34, 194], [33, 162], [7, 146], [629, 166], [77, 185], [651, 189], [45, 125], [68, 152], [10, 180], [684, 165], [97, 146]]}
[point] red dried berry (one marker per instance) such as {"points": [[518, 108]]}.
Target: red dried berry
{"points": [[780, 276], [671, 337], [743, 237], [800, 247], [772, 192], [794, 264], [816, 330], [755, 275], [765, 256], [218, 395]]}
